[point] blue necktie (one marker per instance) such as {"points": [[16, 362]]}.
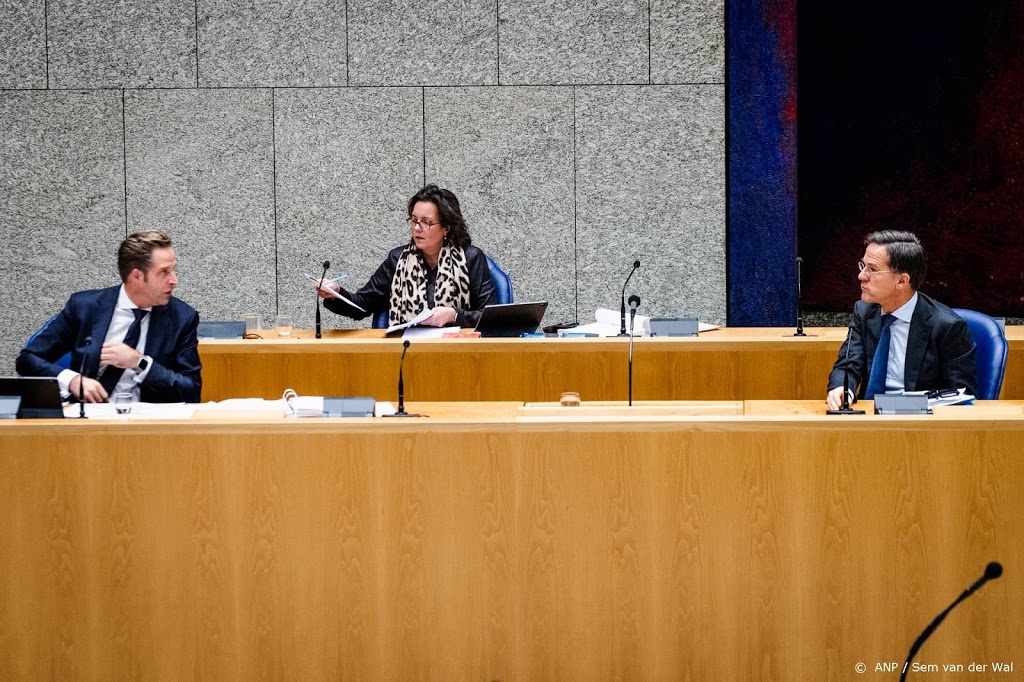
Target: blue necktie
{"points": [[880, 365], [111, 375]]}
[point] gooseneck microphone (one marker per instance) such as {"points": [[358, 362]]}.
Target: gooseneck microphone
{"points": [[992, 571], [622, 311], [634, 303], [845, 407], [81, 379], [799, 298], [327, 264], [401, 386]]}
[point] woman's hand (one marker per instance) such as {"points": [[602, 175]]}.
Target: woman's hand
{"points": [[441, 317], [326, 288]]}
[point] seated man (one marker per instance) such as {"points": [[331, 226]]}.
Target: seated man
{"points": [[900, 339], [135, 338]]}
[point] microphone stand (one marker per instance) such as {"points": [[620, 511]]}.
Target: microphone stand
{"points": [[327, 264], [634, 301], [401, 386], [622, 310], [992, 571], [799, 299], [845, 407], [81, 379]]}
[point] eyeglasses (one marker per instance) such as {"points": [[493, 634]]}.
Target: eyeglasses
{"points": [[864, 267], [423, 224]]}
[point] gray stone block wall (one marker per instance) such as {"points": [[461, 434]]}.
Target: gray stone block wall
{"points": [[267, 137]]}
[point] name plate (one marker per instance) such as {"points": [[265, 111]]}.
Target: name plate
{"points": [[674, 326], [348, 407], [901, 404]]}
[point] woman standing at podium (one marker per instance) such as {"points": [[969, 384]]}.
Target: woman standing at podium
{"points": [[438, 269]]}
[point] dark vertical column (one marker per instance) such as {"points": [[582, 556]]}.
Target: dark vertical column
{"points": [[761, 196]]}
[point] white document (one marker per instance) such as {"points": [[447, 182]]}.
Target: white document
{"points": [[609, 322], [962, 396], [305, 406], [139, 411], [337, 295], [413, 322], [426, 332], [613, 319], [381, 408]]}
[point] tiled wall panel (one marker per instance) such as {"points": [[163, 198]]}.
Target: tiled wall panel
{"points": [[200, 167], [507, 154], [122, 43], [272, 43], [62, 188], [650, 185], [347, 162], [23, 37]]}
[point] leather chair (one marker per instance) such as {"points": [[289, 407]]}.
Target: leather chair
{"points": [[502, 292], [990, 353]]}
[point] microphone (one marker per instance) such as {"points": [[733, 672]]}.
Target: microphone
{"points": [[992, 571], [622, 311], [81, 379], [799, 298], [327, 264], [634, 302], [845, 407], [401, 386]]}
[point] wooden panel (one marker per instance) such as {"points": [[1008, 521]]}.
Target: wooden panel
{"points": [[725, 364], [778, 546]]}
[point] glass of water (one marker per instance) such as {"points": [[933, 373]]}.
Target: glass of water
{"points": [[284, 325], [123, 403]]}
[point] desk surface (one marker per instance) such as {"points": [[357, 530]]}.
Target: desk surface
{"points": [[489, 542]]}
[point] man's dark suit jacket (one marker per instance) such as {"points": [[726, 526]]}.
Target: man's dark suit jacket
{"points": [[171, 341], [940, 349]]}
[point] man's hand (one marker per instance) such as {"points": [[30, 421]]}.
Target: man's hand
{"points": [[119, 355], [835, 398], [440, 317], [94, 391]]}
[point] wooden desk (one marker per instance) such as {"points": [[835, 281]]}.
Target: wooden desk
{"points": [[725, 364], [485, 543]]}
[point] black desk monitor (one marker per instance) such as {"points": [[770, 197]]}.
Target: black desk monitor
{"points": [[40, 396], [511, 319]]}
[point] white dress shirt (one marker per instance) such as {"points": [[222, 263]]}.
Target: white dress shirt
{"points": [[899, 331], [118, 329]]}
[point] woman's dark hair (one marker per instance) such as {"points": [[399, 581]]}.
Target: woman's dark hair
{"points": [[448, 211]]}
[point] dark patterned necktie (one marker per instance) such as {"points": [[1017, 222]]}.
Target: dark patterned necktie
{"points": [[113, 374], [880, 365]]}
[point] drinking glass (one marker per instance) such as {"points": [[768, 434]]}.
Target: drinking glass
{"points": [[123, 403], [253, 323], [284, 325]]}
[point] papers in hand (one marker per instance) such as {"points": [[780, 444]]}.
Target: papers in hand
{"points": [[411, 323], [336, 294]]}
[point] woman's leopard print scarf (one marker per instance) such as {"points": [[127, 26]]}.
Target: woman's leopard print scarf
{"points": [[409, 285]]}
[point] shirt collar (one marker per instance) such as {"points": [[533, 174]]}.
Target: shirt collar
{"points": [[905, 312], [125, 303]]}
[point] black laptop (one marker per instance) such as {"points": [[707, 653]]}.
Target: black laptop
{"points": [[40, 396], [511, 319]]}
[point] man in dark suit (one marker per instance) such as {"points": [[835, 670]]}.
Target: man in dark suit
{"points": [[900, 339], [135, 338]]}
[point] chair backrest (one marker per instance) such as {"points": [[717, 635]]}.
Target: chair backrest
{"points": [[990, 352], [502, 292], [63, 361]]}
